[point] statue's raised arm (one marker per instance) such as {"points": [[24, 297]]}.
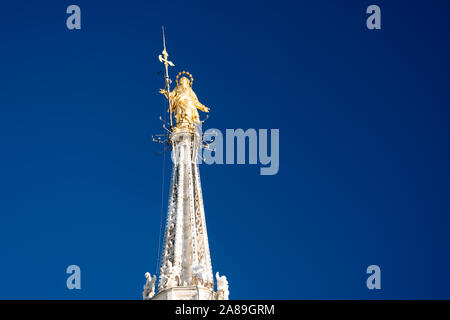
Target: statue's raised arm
{"points": [[198, 104]]}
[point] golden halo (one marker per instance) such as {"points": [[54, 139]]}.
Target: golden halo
{"points": [[187, 74]]}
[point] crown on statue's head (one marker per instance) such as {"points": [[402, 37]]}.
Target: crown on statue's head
{"points": [[182, 74]]}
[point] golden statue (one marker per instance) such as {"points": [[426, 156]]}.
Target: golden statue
{"points": [[184, 103]]}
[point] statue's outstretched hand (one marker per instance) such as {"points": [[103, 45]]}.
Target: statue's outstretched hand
{"points": [[162, 91], [205, 109]]}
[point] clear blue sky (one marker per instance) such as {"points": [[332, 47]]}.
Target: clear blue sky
{"points": [[364, 145]]}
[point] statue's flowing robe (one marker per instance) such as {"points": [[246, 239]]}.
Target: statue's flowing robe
{"points": [[184, 104]]}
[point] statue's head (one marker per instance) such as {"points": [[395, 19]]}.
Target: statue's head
{"points": [[147, 275], [184, 82]]}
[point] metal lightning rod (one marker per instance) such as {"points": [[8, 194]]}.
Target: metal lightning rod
{"points": [[163, 59]]}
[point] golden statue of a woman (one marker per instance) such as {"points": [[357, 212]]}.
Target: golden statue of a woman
{"points": [[184, 103]]}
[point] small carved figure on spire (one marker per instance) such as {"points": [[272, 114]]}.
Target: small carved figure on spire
{"points": [[184, 103], [222, 287], [149, 287]]}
